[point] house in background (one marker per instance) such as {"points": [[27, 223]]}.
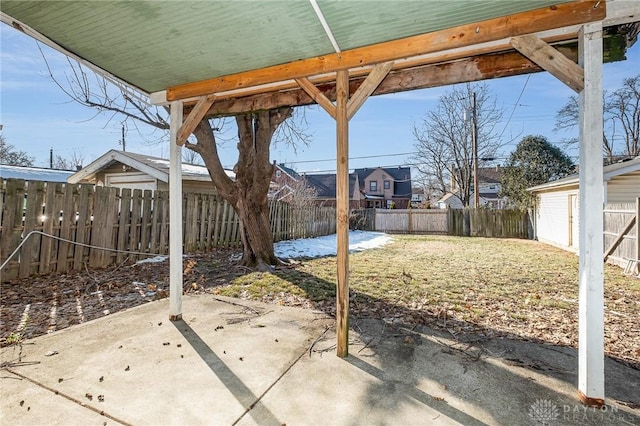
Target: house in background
{"points": [[138, 171], [368, 188], [418, 197], [325, 187], [284, 182], [490, 184], [557, 211], [384, 187], [34, 173]]}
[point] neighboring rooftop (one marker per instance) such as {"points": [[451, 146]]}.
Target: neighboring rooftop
{"points": [[154, 166], [612, 170], [34, 173]]}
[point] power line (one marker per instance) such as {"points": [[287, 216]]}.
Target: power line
{"points": [[515, 106], [351, 158]]}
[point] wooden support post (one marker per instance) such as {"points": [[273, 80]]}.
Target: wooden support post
{"points": [[175, 215], [342, 111], [591, 267], [342, 211]]}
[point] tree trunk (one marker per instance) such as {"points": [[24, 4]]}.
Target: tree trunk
{"points": [[248, 193], [257, 238]]}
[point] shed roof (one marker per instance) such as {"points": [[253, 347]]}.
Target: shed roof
{"points": [[610, 171], [153, 166], [34, 173]]}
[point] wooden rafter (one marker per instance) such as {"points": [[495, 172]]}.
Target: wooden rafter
{"points": [[464, 54], [361, 94], [551, 60], [548, 18], [471, 69], [195, 116], [367, 87], [317, 96]]}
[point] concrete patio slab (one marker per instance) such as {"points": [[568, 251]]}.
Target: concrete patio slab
{"points": [[240, 362]]}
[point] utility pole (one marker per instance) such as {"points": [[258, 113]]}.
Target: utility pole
{"points": [[474, 147], [51, 158], [124, 145]]}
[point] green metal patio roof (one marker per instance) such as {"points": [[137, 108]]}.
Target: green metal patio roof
{"points": [[155, 45]]}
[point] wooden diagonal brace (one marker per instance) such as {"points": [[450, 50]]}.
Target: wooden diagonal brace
{"points": [[317, 95], [365, 90], [550, 60], [620, 237], [195, 116]]}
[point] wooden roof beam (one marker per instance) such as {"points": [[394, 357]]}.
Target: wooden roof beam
{"points": [[317, 96], [551, 60], [471, 69], [195, 116], [565, 35], [367, 87], [562, 15]]}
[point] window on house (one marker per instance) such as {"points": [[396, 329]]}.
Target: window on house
{"points": [[387, 184], [373, 185], [278, 173]]}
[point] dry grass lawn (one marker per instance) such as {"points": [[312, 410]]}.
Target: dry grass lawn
{"points": [[474, 288], [490, 287]]}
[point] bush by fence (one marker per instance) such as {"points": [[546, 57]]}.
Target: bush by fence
{"points": [[123, 220]]}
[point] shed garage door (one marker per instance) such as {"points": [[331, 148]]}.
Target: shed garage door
{"points": [[131, 181]]}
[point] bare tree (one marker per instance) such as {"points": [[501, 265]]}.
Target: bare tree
{"points": [[73, 162], [256, 131], [298, 193], [621, 117], [444, 147], [12, 157], [189, 156], [623, 107]]}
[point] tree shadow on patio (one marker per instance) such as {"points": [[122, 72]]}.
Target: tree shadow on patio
{"points": [[499, 373]]}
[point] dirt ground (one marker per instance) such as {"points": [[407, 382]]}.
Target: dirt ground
{"points": [[44, 304]]}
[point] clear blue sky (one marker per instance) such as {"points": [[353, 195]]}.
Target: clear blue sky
{"points": [[37, 116]]}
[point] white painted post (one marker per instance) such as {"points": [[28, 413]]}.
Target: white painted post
{"points": [[591, 268], [175, 215]]}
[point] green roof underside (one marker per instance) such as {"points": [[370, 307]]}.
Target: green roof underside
{"points": [[154, 45]]}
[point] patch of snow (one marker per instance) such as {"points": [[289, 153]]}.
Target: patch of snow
{"points": [[156, 259], [192, 169], [327, 245]]}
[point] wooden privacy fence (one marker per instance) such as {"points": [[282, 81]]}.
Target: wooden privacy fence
{"points": [[83, 217], [466, 222], [412, 221], [489, 223], [621, 241]]}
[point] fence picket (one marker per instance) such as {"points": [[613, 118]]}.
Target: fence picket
{"points": [[29, 252], [67, 227], [145, 222], [107, 217]]}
